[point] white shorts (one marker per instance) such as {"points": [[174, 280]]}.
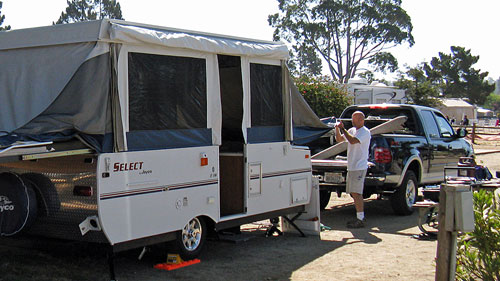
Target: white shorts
{"points": [[355, 181]]}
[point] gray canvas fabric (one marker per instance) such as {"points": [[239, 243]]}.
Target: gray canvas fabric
{"points": [[28, 88], [303, 115], [82, 106]]}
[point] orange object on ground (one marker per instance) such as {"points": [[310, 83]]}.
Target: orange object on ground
{"points": [[168, 266]]}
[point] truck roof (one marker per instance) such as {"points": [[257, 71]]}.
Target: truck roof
{"points": [[382, 106]]}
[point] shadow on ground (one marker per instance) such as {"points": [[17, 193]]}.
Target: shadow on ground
{"points": [[259, 258]]}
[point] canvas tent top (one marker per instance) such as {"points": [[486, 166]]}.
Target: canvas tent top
{"points": [[72, 91], [118, 31]]}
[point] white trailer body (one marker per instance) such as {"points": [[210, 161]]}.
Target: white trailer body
{"points": [[147, 129]]}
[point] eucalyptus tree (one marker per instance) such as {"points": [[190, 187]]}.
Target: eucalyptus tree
{"points": [[345, 33]]}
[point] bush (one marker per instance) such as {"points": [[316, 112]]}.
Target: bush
{"points": [[478, 253], [325, 97]]}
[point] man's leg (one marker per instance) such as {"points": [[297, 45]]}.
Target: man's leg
{"points": [[358, 203], [355, 188]]}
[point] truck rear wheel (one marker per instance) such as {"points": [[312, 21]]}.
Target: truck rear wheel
{"points": [[324, 198], [405, 196]]}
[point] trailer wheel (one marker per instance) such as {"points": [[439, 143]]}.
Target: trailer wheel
{"points": [[405, 196], [18, 205], [191, 238], [48, 199], [324, 198]]}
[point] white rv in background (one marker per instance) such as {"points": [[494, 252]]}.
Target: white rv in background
{"points": [[374, 93], [130, 134]]}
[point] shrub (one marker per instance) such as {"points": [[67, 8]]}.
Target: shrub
{"points": [[478, 253], [325, 97]]}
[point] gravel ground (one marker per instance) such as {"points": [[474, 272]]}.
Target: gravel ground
{"points": [[384, 250]]}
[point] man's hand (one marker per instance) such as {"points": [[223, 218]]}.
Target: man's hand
{"points": [[341, 134], [339, 128]]}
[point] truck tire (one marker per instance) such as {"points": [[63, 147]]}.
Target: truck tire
{"points": [[324, 198], [18, 205], [190, 239], [48, 199], [405, 196]]}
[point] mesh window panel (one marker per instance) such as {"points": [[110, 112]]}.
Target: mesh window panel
{"points": [[266, 95], [166, 92]]}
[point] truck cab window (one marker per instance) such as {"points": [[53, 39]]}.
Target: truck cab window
{"points": [[444, 127], [428, 119]]}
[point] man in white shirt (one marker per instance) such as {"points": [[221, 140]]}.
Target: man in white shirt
{"points": [[358, 142]]}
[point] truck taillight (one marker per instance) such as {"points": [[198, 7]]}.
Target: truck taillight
{"points": [[383, 155]]}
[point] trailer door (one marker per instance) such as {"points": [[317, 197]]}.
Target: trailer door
{"points": [[277, 174], [231, 158]]}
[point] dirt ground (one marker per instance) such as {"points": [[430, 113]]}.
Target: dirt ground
{"points": [[384, 250]]}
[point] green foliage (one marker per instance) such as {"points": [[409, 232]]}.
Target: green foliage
{"points": [[304, 61], [2, 18], [344, 32], [456, 77], [478, 254], [419, 89], [493, 102], [85, 10], [325, 97]]}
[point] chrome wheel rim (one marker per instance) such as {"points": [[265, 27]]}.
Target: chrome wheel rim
{"points": [[411, 193], [191, 234]]}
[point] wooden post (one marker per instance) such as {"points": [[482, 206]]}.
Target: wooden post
{"points": [[474, 133], [444, 242]]}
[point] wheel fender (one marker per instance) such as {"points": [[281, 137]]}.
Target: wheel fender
{"points": [[410, 160]]}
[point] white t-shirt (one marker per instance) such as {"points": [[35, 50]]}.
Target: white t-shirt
{"points": [[357, 154]]}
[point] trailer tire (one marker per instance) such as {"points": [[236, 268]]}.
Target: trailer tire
{"points": [[18, 205], [405, 196], [190, 239], [47, 197], [324, 198]]}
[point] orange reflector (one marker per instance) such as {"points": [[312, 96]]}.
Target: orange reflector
{"points": [[204, 161], [307, 156], [167, 266]]}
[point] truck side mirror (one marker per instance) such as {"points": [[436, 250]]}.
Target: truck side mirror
{"points": [[461, 132]]}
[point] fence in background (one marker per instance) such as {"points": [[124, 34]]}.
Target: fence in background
{"points": [[484, 133]]}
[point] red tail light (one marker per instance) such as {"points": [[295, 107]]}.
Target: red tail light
{"points": [[383, 155], [381, 106]]}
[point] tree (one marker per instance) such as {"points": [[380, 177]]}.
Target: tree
{"points": [[457, 78], [345, 33], [493, 102], [2, 18], [304, 61], [85, 10], [419, 89], [324, 96]]}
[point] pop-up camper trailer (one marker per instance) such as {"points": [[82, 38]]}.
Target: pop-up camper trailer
{"points": [[131, 134]]}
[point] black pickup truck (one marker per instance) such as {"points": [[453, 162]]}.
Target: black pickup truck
{"points": [[399, 161]]}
